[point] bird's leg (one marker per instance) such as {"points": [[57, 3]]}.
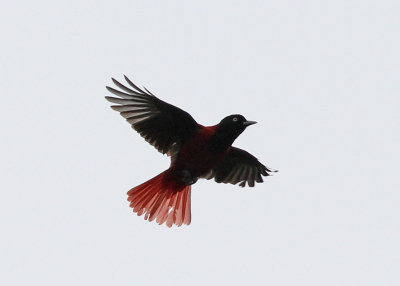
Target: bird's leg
{"points": [[187, 178]]}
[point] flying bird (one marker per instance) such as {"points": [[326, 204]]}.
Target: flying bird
{"points": [[196, 152]]}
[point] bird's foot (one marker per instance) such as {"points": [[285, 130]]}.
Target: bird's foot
{"points": [[187, 178]]}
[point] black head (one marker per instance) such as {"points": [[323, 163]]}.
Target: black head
{"points": [[230, 128], [235, 122]]}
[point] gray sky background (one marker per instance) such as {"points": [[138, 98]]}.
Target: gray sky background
{"points": [[320, 77]]}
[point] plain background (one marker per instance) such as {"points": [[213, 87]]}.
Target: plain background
{"points": [[320, 77]]}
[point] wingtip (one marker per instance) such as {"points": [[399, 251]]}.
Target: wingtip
{"points": [[109, 98], [270, 172]]}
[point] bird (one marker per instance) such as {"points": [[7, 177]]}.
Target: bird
{"points": [[196, 152]]}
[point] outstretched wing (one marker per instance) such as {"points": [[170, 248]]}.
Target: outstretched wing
{"points": [[239, 166], [161, 124]]}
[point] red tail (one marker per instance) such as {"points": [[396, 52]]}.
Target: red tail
{"points": [[163, 199]]}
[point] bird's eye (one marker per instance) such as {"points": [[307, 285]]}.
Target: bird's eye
{"points": [[235, 119]]}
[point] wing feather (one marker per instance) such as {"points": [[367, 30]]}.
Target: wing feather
{"points": [[161, 124], [239, 166]]}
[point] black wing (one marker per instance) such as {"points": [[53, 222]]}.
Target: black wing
{"points": [[161, 124], [239, 166]]}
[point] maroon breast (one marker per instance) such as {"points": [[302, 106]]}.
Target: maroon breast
{"points": [[196, 154]]}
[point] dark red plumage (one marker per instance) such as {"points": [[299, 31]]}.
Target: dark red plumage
{"points": [[196, 152]]}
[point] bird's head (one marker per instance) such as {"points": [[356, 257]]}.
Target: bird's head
{"points": [[235, 123], [231, 127]]}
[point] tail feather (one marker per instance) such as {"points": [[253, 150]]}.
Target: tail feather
{"points": [[178, 216], [162, 199]]}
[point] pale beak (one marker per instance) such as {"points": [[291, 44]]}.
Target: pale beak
{"points": [[248, 123]]}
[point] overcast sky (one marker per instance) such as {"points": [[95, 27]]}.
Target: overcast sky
{"points": [[320, 77]]}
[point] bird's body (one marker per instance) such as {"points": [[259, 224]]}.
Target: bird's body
{"points": [[197, 156], [196, 152]]}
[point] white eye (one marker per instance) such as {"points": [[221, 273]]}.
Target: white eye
{"points": [[235, 119]]}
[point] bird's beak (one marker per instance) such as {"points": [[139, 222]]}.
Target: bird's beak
{"points": [[248, 123]]}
